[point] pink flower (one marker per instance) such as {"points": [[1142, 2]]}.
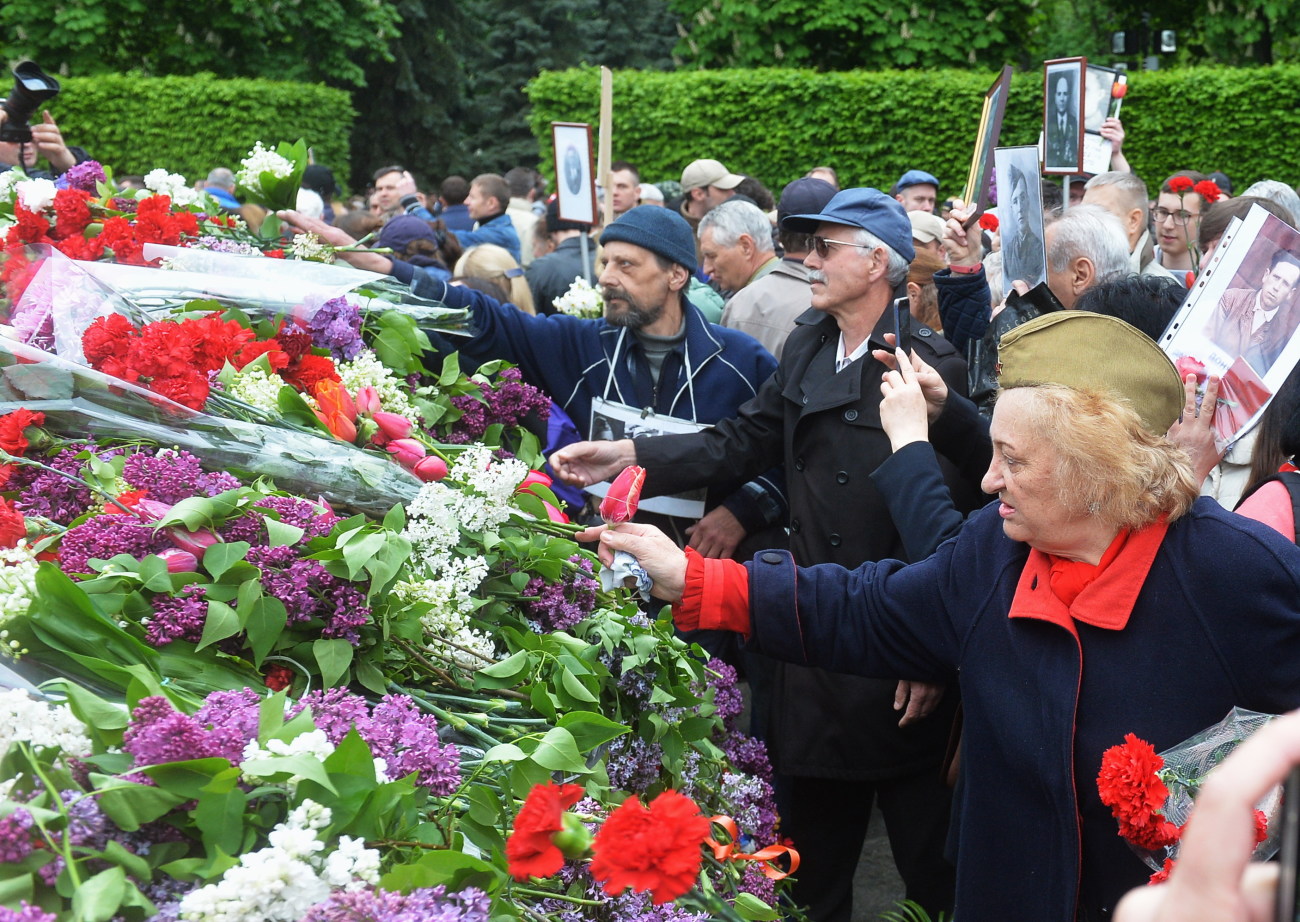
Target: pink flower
{"points": [[619, 504], [367, 401], [407, 451], [430, 468], [179, 561], [392, 425], [555, 515], [195, 542], [532, 478]]}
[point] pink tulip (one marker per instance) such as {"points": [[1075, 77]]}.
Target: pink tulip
{"points": [[179, 561], [392, 425], [150, 510], [555, 515], [407, 451], [196, 542], [430, 468], [619, 504], [532, 478], [367, 400]]}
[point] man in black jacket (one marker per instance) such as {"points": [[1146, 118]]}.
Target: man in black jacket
{"points": [[835, 740]]}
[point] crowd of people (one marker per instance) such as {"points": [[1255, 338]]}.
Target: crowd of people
{"points": [[912, 553]]}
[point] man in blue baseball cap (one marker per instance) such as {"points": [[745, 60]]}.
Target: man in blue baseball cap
{"points": [[917, 190], [835, 741]]}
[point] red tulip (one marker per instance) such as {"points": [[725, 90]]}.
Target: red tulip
{"points": [[619, 504], [1190, 365], [430, 468], [392, 425], [179, 561], [407, 451], [1118, 89]]}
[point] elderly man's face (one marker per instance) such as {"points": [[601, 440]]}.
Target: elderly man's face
{"points": [[728, 266], [1062, 95], [634, 286], [844, 276], [1279, 284]]}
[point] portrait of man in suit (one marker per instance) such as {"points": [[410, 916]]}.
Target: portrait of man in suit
{"points": [[1023, 253], [1257, 323], [1061, 133]]}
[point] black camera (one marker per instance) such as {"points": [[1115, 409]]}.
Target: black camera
{"points": [[32, 88]]}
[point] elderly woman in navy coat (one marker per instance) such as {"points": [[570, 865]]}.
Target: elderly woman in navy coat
{"points": [[1098, 596]]}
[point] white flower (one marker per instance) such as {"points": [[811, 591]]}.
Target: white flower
{"points": [[352, 865], [259, 161], [311, 247], [18, 566], [43, 725], [36, 194], [9, 181], [257, 387], [172, 185], [581, 300], [367, 369]]}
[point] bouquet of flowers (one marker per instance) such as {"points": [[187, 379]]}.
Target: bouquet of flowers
{"points": [[581, 300], [1151, 795]]}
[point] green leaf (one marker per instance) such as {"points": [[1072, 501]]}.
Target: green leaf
{"points": [[574, 687], [590, 729], [221, 556], [220, 818], [559, 752], [130, 862], [751, 907], [395, 518], [333, 656], [275, 768], [508, 670], [357, 554], [132, 805], [196, 512], [504, 752], [222, 622], [435, 867], [97, 899], [93, 710], [282, 534], [193, 777], [370, 677], [266, 620]]}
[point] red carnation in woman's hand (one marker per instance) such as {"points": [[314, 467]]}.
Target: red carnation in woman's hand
{"points": [[1180, 184], [1129, 784], [655, 849], [1208, 190], [531, 849], [619, 504], [989, 221]]}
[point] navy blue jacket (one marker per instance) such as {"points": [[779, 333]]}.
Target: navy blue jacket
{"points": [[570, 358], [1216, 625]]}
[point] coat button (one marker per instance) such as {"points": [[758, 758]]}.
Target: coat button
{"points": [[805, 401], [850, 415], [770, 557], [924, 331], [795, 527], [798, 464], [842, 477], [835, 540]]}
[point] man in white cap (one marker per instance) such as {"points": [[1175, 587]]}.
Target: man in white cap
{"points": [[706, 184]]}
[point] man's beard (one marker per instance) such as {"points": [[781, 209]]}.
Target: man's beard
{"points": [[634, 316]]}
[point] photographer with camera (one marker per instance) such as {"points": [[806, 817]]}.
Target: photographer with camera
{"points": [[21, 144]]}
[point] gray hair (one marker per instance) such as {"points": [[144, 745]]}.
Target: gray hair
{"points": [[1091, 231], [1131, 187], [730, 220], [1278, 192], [897, 270], [222, 178]]}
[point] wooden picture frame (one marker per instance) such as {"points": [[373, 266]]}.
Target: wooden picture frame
{"points": [[575, 172], [1064, 98], [980, 175]]}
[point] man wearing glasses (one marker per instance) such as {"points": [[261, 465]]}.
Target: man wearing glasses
{"points": [[836, 741], [1177, 219]]}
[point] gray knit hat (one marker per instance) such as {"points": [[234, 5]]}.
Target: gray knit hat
{"points": [[659, 230]]}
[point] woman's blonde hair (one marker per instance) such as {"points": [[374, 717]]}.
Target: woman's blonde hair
{"points": [[1111, 466], [494, 263]]}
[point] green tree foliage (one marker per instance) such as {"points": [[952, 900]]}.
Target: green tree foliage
{"points": [[873, 126], [521, 38], [308, 40], [189, 125], [851, 33]]}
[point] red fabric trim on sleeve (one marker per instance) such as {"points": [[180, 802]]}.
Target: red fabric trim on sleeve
{"points": [[716, 596]]}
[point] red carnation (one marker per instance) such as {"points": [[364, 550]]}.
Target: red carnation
{"points": [[1180, 184], [278, 677], [1261, 826], [295, 342], [1130, 785], [189, 389], [13, 527], [275, 356], [72, 214], [989, 221], [310, 371], [530, 849], [107, 337], [1208, 190], [1162, 875], [655, 849], [13, 438]]}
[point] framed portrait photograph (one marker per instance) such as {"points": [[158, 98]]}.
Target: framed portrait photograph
{"points": [[575, 173], [980, 175], [1240, 319], [1064, 115], [1020, 216]]}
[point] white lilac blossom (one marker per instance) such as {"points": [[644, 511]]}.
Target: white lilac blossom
{"points": [[257, 387], [366, 369], [282, 882], [36, 194], [259, 161], [18, 566], [9, 181], [311, 247], [581, 300], [172, 185], [23, 718]]}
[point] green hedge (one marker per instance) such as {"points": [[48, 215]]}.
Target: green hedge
{"points": [[871, 126], [189, 125]]}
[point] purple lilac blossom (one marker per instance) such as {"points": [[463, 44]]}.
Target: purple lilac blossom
{"points": [[27, 912], [235, 714], [309, 591], [301, 513], [88, 827], [727, 699], [633, 764], [33, 322], [178, 617], [84, 176], [45, 493], [15, 836], [170, 477], [507, 403], [104, 536], [421, 905], [221, 729], [559, 606], [336, 326]]}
